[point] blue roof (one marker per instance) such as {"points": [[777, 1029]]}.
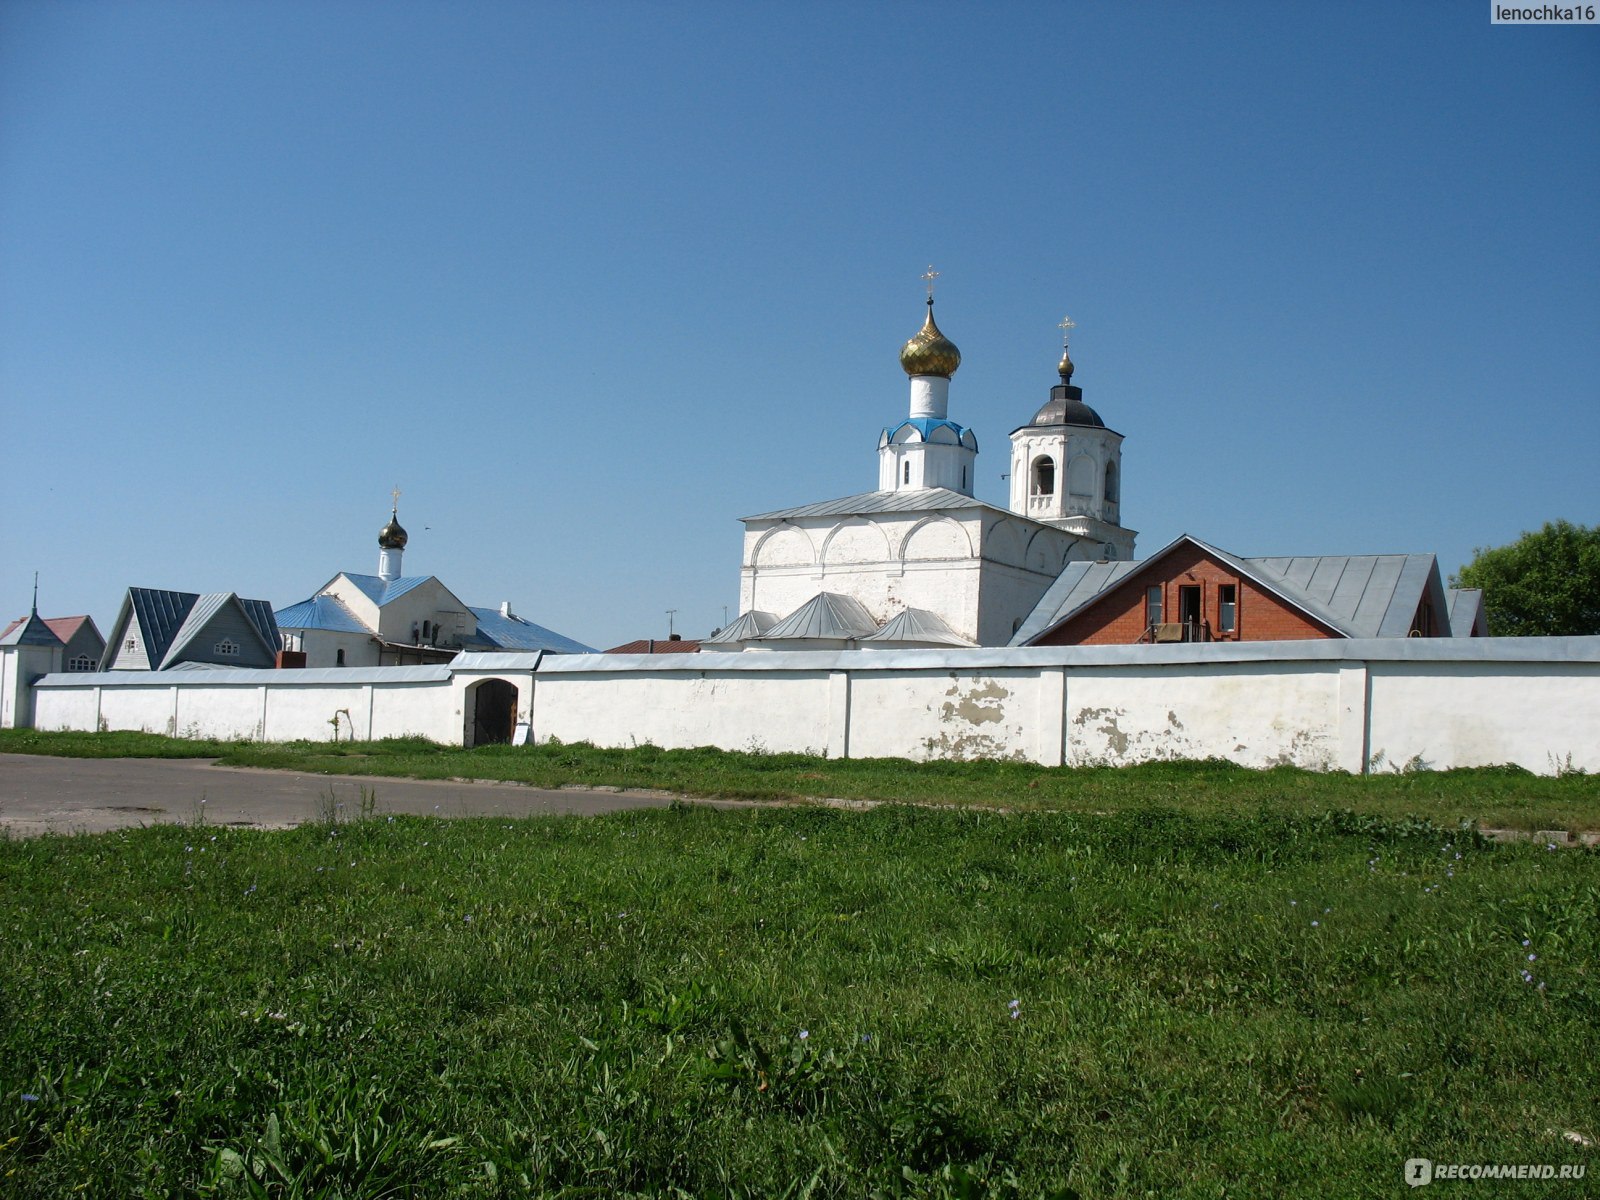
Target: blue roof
{"points": [[926, 425], [382, 591], [320, 612], [514, 633]]}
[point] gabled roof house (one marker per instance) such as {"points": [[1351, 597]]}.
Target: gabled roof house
{"points": [[158, 630], [1190, 591]]}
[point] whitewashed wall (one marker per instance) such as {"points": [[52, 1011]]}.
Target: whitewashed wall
{"points": [[1343, 705]]}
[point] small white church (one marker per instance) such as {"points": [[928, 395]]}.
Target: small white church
{"points": [[921, 561]]}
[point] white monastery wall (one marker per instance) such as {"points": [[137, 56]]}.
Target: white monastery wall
{"points": [[1472, 714], [776, 711], [1347, 705], [1258, 714]]}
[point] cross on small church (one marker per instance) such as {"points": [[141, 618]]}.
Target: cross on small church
{"points": [[928, 277], [396, 495], [1067, 326]]}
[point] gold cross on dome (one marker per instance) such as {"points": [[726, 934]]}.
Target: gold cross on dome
{"points": [[1067, 326], [928, 277], [396, 495]]}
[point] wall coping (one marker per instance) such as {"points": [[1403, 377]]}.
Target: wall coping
{"points": [[1461, 651]]}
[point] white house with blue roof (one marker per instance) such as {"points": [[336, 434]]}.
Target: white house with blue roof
{"points": [[393, 619], [960, 570]]}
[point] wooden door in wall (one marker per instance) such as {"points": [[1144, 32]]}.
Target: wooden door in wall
{"points": [[492, 712]]}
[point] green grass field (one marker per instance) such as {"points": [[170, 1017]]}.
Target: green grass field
{"points": [[1495, 797], [795, 1001]]}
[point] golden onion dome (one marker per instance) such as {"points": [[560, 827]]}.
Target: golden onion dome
{"points": [[392, 536], [930, 352], [1065, 367]]}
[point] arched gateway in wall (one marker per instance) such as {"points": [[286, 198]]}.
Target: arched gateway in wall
{"points": [[490, 712]]}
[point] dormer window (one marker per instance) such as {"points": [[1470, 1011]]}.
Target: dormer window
{"points": [[226, 648]]}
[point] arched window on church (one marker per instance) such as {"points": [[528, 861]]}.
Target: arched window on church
{"points": [[1044, 476], [1111, 483]]}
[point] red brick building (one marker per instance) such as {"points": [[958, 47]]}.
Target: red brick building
{"points": [[1194, 592]]}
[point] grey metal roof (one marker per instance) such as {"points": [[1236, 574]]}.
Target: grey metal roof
{"points": [[749, 626], [825, 615], [1361, 595], [31, 632], [918, 625], [257, 613], [320, 612], [1358, 596], [1078, 583], [160, 614], [1466, 610], [911, 500], [513, 633]]}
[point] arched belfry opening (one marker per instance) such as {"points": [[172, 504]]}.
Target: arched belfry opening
{"points": [[1044, 476], [490, 712]]}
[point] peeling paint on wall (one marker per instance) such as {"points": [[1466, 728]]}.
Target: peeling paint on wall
{"points": [[973, 705]]}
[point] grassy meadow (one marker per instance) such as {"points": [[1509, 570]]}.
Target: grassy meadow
{"points": [[792, 1001], [1492, 797]]}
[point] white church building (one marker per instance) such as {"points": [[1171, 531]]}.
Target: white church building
{"points": [[394, 619], [921, 561]]}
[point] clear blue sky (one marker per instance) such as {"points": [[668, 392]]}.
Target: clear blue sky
{"points": [[592, 281]]}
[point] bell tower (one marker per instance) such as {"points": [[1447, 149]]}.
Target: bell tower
{"points": [[1066, 466]]}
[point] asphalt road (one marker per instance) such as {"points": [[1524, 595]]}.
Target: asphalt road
{"points": [[40, 794]]}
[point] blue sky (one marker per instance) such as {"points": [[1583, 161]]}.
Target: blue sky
{"points": [[591, 281]]}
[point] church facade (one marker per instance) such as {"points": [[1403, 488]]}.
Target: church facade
{"points": [[394, 619], [921, 546]]}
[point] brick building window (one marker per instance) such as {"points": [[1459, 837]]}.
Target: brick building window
{"points": [[1227, 608], [1152, 605]]}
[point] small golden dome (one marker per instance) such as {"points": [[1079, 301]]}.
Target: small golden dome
{"points": [[392, 536], [1065, 368], [930, 352]]}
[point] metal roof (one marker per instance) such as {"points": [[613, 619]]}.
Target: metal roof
{"points": [[1078, 583], [825, 615], [918, 625], [1362, 595], [160, 614], [381, 591], [320, 612], [31, 631], [511, 632], [749, 626], [257, 614], [1358, 596], [910, 500], [925, 426], [65, 628], [1466, 611]]}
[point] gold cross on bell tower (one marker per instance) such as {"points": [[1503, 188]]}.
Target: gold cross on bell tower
{"points": [[396, 495], [1067, 326], [928, 277]]}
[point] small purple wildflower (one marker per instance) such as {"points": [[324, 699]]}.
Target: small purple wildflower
{"points": [[30, 1097], [804, 1034]]}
